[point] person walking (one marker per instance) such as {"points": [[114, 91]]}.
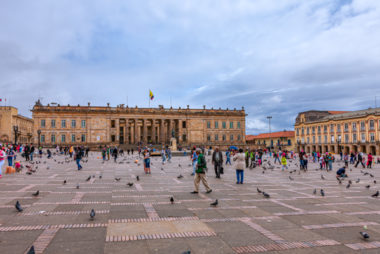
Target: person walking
{"points": [[2, 159], [146, 162], [217, 160], [369, 161], [10, 156], [240, 159], [32, 149], [228, 157], [200, 173], [163, 156], [114, 153], [194, 159], [360, 160], [104, 154], [78, 156]]}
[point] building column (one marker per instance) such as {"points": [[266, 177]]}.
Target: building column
{"points": [[162, 131], [126, 132], [179, 131], [153, 132], [117, 127], [145, 131], [136, 132], [172, 127]]}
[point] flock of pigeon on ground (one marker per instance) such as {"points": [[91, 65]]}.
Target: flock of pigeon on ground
{"points": [[267, 165]]}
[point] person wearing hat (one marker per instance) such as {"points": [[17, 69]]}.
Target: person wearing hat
{"points": [[200, 173]]}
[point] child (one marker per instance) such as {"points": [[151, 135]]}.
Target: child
{"points": [[18, 166], [284, 162]]}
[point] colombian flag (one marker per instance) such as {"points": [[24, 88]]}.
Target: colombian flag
{"points": [[151, 96]]}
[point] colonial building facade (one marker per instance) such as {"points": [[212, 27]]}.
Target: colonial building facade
{"points": [[14, 127], [339, 131], [283, 140], [94, 126]]}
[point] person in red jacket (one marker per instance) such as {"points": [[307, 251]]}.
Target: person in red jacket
{"points": [[370, 159]]}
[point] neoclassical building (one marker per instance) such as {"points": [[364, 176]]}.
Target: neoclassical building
{"points": [[123, 125], [336, 131], [14, 127]]}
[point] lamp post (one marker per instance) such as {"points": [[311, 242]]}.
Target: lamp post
{"points": [[15, 129], [39, 138], [270, 138]]}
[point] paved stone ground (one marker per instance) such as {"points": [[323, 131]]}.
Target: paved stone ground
{"points": [[141, 219]]}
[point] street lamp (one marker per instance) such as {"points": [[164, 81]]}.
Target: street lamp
{"points": [[39, 138], [270, 138], [15, 129]]}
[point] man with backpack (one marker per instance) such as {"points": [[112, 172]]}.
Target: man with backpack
{"points": [[200, 173]]}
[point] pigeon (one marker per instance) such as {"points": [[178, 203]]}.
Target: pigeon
{"points": [[100, 176], [266, 195], [375, 195], [358, 180], [371, 175], [323, 178], [348, 186], [18, 206], [322, 193], [179, 165], [365, 235], [88, 178], [263, 172], [162, 168], [130, 184], [368, 186], [180, 176], [117, 179], [92, 214], [36, 193], [349, 181], [258, 190], [214, 203], [172, 200], [291, 178], [315, 191], [93, 176], [77, 185], [374, 181], [31, 250], [137, 178], [64, 181]]}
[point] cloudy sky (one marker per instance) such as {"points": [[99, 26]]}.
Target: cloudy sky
{"points": [[274, 57]]}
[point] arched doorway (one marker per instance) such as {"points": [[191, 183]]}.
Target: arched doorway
{"points": [[347, 149], [332, 149], [363, 149], [355, 149], [372, 150]]}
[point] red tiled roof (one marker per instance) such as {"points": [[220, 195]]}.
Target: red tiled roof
{"points": [[279, 134], [337, 112]]}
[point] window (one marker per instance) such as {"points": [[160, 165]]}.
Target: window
{"points": [[372, 137], [208, 137], [83, 138], [338, 128], [112, 123], [331, 128], [332, 139], [184, 124], [354, 138], [307, 140], [223, 125], [362, 137], [302, 131], [238, 137], [354, 126], [313, 130], [303, 140], [52, 138], [362, 125], [298, 131], [346, 127], [325, 129], [73, 123], [224, 137], [63, 138], [208, 125], [184, 137], [216, 137], [371, 125], [73, 138], [325, 139], [53, 123], [83, 123], [319, 129], [346, 138], [238, 125], [339, 138], [216, 124], [289, 142], [319, 139], [63, 123], [231, 125], [313, 139], [113, 138], [232, 137], [42, 138], [307, 131], [43, 123]]}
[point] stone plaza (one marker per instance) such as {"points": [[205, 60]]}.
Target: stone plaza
{"points": [[141, 218]]}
